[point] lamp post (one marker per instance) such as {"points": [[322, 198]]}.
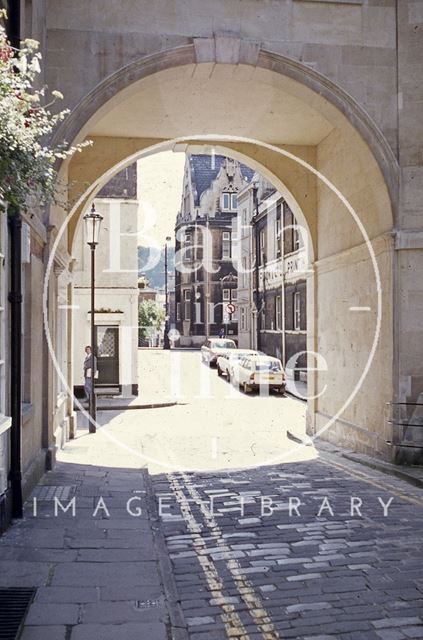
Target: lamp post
{"points": [[92, 222], [166, 342]]}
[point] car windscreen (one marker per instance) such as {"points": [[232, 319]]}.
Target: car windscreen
{"points": [[268, 366], [223, 344], [237, 356]]}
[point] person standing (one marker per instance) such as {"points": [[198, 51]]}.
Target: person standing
{"points": [[90, 367]]}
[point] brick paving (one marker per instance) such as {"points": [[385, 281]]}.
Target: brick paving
{"points": [[342, 576]]}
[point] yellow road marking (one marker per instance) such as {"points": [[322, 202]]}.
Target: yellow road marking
{"points": [[233, 623], [361, 475], [244, 586]]}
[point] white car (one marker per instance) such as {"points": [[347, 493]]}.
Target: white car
{"points": [[213, 347], [255, 372], [227, 361]]}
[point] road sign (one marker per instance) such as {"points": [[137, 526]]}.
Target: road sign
{"points": [[230, 308]]}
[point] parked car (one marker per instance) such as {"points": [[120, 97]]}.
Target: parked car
{"points": [[213, 347], [227, 360], [254, 372]]}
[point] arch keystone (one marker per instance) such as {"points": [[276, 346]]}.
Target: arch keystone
{"points": [[226, 50]]}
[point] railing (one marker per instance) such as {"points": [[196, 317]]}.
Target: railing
{"points": [[401, 420]]}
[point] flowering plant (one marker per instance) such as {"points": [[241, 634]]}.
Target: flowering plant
{"points": [[27, 162]]}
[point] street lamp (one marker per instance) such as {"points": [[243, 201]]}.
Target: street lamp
{"points": [[92, 222], [166, 342]]}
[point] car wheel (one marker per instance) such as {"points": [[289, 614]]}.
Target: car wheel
{"points": [[219, 371], [246, 388]]}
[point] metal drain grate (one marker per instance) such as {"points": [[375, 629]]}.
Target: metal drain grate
{"points": [[14, 603]]}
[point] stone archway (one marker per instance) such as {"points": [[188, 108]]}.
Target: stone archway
{"points": [[332, 133]]}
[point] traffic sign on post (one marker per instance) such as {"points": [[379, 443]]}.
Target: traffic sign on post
{"points": [[230, 308]]}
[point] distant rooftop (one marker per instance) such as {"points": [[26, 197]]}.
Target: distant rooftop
{"points": [[123, 185], [204, 169]]}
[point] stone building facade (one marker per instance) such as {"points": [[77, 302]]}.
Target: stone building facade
{"points": [[282, 291], [204, 264], [117, 293], [272, 299]]}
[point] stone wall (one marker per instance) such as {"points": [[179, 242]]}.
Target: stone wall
{"points": [[352, 44]]}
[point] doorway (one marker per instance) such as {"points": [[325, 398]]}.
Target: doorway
{"points": [[107, 342]]}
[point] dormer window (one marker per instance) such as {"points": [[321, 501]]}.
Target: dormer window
{"points": [[229, 202]]}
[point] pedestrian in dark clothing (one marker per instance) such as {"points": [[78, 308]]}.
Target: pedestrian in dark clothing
{"points": [[90, 364]]}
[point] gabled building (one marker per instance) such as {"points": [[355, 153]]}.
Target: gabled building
{"points": [[205, 273]]}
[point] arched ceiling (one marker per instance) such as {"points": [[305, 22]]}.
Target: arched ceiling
{"points": [[209, 98]]}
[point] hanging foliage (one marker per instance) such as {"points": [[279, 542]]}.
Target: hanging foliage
{"points": [[27, 161]]}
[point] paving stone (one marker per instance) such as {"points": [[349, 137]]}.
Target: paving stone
{"points": [[199, 620], [102, 574], [311, 606], [248, 570], [23, 574], [288, 561], [266, 588], [387, 623], [227, 555], [390, 634], [413, 632], [304, 576], [319, 637], [247, 521], [50, 632], [225, 600], [116, 555], [58, 614], [128, 631], [124, 611], [66, 594], [207, 635]]}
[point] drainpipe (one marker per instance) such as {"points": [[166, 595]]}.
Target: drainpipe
{"points": [[256, 269], [283, 295], [13, 27], [13, 23], [15, 299]]}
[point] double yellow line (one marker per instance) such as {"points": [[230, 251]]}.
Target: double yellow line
{"points": [[234, 626], [364, 477]]}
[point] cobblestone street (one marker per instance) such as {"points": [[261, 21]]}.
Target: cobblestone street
{"points": [[264, 574]]}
